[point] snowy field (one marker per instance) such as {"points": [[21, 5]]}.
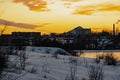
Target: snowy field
{"points": [[42, 66]]}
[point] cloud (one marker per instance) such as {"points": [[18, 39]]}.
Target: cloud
{"points": [[72, 0], [84, 12], [20, 25], [93, 8], [109, 7], [68, 3], [34, 5], [42, 25]]}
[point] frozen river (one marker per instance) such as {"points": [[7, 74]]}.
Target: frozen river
{"points": [[93, 53]]}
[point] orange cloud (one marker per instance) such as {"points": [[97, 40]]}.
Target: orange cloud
{"points": [[109, 7], [68, 3], [71, 0], [34, 5], [91, 9], [84, 12]]}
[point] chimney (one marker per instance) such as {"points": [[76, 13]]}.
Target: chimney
{"points": [[113, 29]]}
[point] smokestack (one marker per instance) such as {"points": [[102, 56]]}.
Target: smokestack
{"points": [[113, 29]]}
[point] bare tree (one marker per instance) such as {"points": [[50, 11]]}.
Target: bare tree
{"points": [[73, 69], [1, 13], [22, 56], [4, 28], [46, 69], [95, 72], [22, 59], [110, 59], [3, 61]]}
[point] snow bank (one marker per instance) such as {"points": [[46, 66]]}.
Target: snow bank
{"points": [[46, 50], [40, 65]]}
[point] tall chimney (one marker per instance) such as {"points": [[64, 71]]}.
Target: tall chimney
{"points": [[113, 29]]}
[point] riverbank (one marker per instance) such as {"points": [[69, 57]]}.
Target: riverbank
{"points": [[93, 53]]}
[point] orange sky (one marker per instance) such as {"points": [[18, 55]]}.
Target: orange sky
{"points": [[59, 15]]}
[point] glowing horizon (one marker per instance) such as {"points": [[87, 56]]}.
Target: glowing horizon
{"points": [[60, 15]]}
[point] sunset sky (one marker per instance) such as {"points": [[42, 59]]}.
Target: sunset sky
{"points": [[58, 16]]}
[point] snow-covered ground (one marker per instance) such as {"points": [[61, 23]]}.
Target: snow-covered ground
{"points": [[41, 66], [45, 50]]}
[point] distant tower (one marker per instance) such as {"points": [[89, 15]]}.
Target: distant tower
{"points": [[113, 29]]}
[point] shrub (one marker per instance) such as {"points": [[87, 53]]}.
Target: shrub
{"points": [[98, 58], [110, 59], [60, 52], [95, 72], [73, 69], [101, 56], [33, 70], [73, 60], [3, 61]]}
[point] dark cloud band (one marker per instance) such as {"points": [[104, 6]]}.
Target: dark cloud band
{"points": [[20, 25]]}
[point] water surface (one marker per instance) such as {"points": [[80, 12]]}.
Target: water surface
{"points": [[93, 53]]}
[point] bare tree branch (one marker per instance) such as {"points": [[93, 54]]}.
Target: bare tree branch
{"points": [[4, 28]]}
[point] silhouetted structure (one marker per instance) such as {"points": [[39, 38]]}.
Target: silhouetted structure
{"points": [[26, 38], [5, 40], [79, 31], [78, 38], [113, 29]]}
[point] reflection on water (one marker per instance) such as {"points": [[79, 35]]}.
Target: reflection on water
{"points": [[92, 54]]}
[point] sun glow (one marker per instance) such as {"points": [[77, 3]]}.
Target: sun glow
{"points": [[60, 15]]}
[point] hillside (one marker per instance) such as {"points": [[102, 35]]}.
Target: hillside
{"points": [[42, 66], [47, 50]]}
